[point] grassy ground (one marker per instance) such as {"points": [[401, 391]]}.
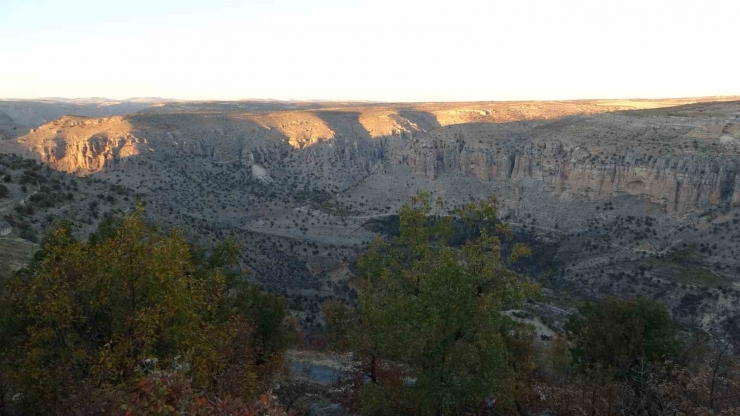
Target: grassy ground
{"points": [[685, 266]]}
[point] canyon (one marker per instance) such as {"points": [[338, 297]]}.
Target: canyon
{"points": [[616, 197]]}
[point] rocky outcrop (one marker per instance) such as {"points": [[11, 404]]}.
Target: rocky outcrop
{"points": [[656, 155], [92, 154], [681, 183], [680, 159]]}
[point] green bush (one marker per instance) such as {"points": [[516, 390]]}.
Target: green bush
{"points": [[620, 333]]}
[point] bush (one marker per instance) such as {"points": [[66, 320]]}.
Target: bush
{"points": [[618, 334], [431, 313], [87, 320]]}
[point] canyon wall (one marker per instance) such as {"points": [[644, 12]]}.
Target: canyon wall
{"points": [[682, 159], [679, 182]]}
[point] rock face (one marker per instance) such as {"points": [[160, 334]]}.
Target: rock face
{"points": [[652, 195], [260, 173], [680, 183], [679, 158], [78, 144]]}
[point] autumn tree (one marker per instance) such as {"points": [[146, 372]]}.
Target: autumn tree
{"points": [[89, 318], [429, 327]]}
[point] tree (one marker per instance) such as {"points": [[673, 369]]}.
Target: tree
{"points": [[3, 191], [89, 318], [430, 327], [341, 321], [619, 333]]}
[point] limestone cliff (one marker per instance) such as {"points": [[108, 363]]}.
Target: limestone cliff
{"points": [[683, 158], [679, 182]]}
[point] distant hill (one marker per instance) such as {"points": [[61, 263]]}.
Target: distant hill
{"points": [[18, 117]]}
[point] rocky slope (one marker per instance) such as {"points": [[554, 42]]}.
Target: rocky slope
{"points": [[683, 159], [34, 197], [679, 161], [617, 197]]}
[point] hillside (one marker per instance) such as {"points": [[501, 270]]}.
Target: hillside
{"points": [[18, 117], [617, 197], [34, 197]]}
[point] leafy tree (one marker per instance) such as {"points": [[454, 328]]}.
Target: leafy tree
{"points": [[341, 321], [86, 318], [267, 312], [619, 333], [430, 327], [107, 229]]}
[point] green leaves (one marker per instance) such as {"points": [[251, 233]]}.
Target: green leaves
{"points": [[618, 333], [432, 310], [87, 315]]}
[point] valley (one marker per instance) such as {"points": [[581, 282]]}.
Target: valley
{"points": [[616, 197]]}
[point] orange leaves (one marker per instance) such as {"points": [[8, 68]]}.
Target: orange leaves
{"points": [[171, 393]]}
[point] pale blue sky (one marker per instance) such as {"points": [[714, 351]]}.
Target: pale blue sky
{"points": [[385, 50]]}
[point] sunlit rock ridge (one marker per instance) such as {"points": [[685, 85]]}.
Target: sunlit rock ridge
{"points": [[683, 158]]}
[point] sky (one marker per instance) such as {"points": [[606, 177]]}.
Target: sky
{"points": [[378, 50]]}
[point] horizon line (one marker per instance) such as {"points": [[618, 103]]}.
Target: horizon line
{"points": [[360, 101]]}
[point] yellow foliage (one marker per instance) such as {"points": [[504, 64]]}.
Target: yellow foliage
{"points": [[102, 314]]}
